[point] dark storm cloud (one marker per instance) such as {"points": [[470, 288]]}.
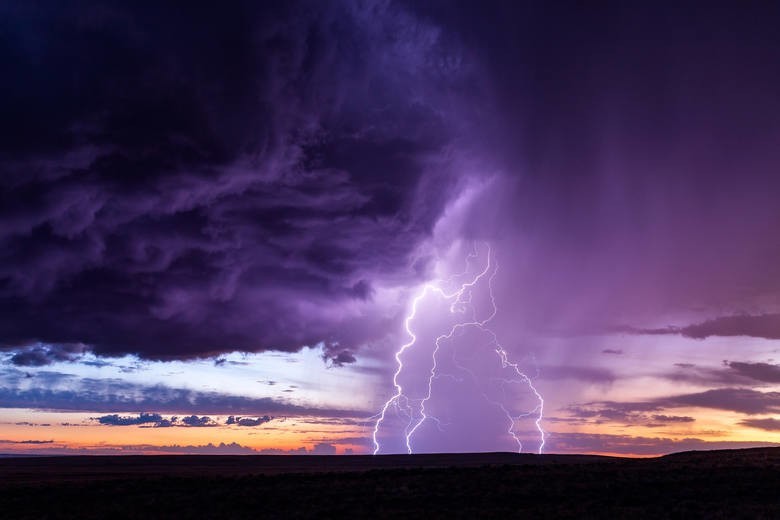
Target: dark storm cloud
{"points": [[337, 358], [41, 355], [645, 177], [186, 182], [182, 182]]}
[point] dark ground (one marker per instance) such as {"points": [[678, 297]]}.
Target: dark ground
{"points": [[718, 484]]}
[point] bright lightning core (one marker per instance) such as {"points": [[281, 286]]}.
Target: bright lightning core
{"points": [[454, 383]]}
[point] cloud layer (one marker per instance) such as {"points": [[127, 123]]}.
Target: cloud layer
{"points": [[113, 395], [186, 183]]}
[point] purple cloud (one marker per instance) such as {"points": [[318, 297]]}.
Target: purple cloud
{"points": [[248, 421], [758, 326], [764, 372], [637, 445], [211, 204], [740, 400], [42, 355], [769, 424]]}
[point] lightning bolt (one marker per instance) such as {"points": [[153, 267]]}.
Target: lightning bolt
{"points": [[461, 300]]}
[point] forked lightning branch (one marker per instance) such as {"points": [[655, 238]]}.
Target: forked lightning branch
{"points": [[414, 411]]}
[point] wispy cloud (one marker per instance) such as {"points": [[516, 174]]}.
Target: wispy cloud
{"points": [[755, 325], [741, 400], [97, 395], [769, 424], [31, 441], [637, 445]]}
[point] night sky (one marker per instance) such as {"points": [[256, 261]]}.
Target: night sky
{"points": [[389, 226]]}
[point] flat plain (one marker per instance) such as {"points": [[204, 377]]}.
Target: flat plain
{"points": [[714, 484]]}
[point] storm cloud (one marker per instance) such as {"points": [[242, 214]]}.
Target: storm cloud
{"points": [[179, 183], [186, 182], [41, 355]]}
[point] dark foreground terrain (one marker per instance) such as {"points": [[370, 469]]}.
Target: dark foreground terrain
{"points": [[717, 484]]}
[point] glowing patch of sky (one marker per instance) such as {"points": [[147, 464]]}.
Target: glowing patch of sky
{"points": [[301, 378]]}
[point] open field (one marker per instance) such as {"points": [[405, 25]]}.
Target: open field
{"points": [[718, 484]]}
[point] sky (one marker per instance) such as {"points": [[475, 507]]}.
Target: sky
{"points": [[389, 226]]}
